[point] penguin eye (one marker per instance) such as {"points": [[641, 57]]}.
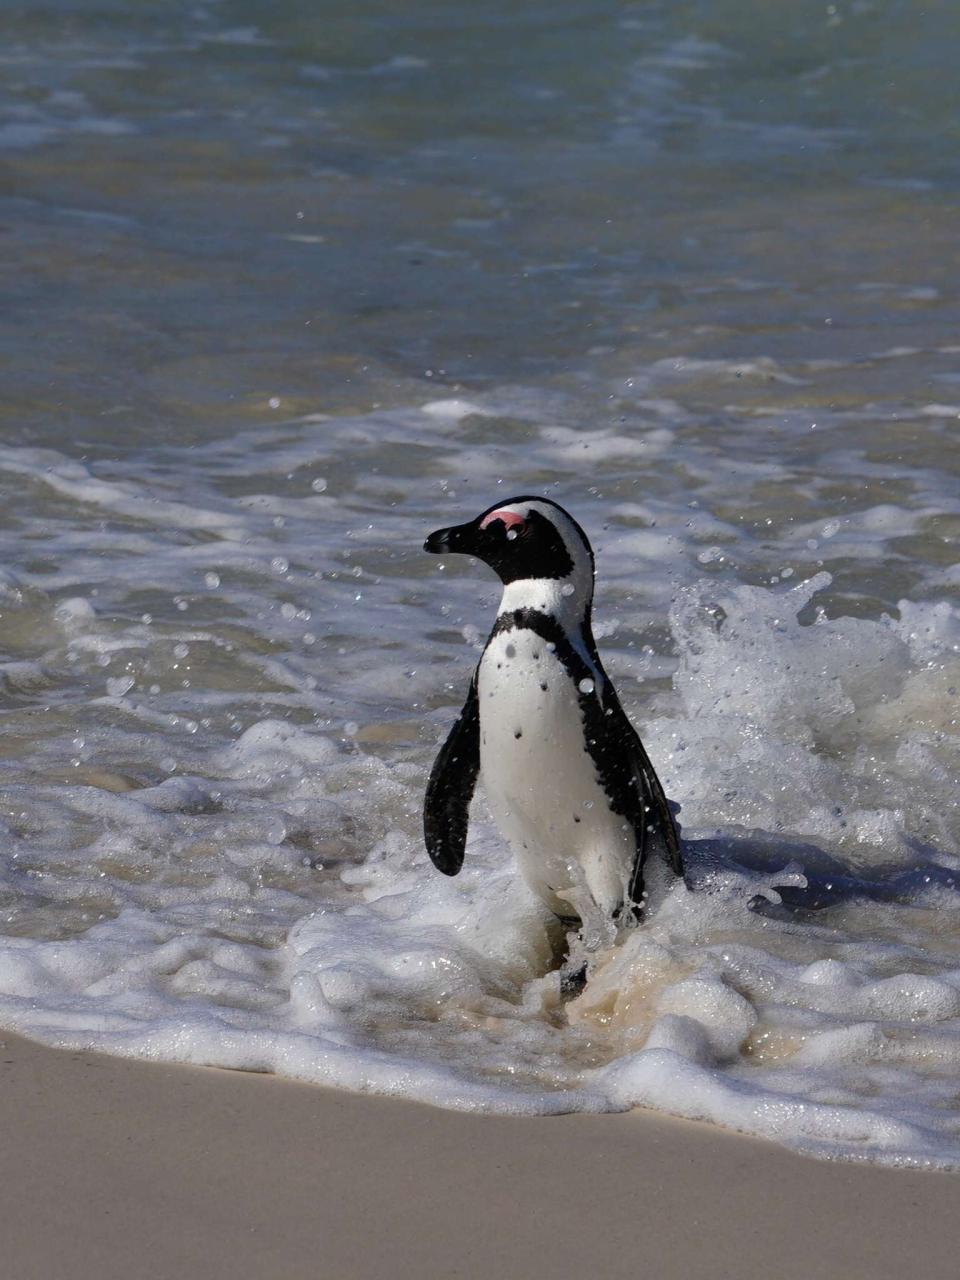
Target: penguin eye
{"points": [[513, 525]]}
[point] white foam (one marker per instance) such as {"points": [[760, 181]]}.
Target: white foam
{"points": [[221, 710], [454, 409]]}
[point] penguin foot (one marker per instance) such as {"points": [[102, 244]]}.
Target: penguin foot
{"points": [[572, 981]]}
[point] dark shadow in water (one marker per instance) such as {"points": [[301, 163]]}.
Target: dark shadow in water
{"points": [[829, 882]]}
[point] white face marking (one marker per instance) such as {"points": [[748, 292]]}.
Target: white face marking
{"points": [[512, 519]]}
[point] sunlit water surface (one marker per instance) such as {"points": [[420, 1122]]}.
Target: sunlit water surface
{"points": [[288, 289]]}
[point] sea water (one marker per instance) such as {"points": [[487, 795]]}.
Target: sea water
{"points": [[287, 291]]}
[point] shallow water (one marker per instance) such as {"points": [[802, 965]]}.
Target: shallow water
{"points": [[289, 290]]}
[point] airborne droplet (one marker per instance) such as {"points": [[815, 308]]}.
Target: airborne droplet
{"points": [[586, 685]]}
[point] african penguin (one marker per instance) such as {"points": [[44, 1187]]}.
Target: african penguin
{"points": [[566, 776]]}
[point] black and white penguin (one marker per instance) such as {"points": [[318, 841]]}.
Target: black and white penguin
{"points": [[567, 778]]}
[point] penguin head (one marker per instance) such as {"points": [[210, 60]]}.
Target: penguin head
{"points": [[523, 539]]}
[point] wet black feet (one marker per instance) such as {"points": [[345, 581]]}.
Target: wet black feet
{"points": [[572, 981]]}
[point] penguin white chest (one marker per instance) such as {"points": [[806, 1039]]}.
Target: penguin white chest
{"points": [[541, 780]]}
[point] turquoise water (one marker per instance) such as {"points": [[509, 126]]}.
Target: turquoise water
{"points": [[207, 208], [285, 289]]}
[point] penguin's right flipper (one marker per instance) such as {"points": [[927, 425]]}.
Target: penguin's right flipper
{"points": [[450, 789]]}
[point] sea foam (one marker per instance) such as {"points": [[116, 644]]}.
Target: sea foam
{"points": [[211, 846]]}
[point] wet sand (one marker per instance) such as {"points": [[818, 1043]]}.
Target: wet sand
{"points": [[117, 1169]]}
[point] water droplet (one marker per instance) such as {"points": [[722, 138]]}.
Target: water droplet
{"points": [[212, 580], [567, 589], [279, 565], [319, 485], [586, 685], [181, 650]]}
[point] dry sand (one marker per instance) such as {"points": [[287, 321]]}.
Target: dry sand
{"points": [[113, 1169]]}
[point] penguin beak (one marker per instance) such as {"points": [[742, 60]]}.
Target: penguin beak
{"points": [[460, 538]]}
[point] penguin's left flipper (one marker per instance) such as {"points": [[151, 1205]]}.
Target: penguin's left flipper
{"points": [[663, 828], [450, 789], [632, 783]]}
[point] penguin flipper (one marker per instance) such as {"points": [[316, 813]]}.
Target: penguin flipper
{"points": [[660, 820], [654, 826], [450, 789], [647, 808]]}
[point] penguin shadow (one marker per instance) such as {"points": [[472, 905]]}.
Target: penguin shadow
{"points": [[791, 880], [802, 879]]}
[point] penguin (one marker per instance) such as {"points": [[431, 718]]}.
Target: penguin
{"points": [[567, 779]]}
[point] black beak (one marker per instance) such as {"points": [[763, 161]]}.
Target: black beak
{"points": [[460, 538]]}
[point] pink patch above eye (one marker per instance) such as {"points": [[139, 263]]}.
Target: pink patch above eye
{"points": [[510, 519]]}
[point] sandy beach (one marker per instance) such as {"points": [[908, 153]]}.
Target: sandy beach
{"points": [[117, 1169]]}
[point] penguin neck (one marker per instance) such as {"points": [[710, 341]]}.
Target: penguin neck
{"points": [[565, 599]]}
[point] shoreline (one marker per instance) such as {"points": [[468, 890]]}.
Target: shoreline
{"points": [[114, 1167]]}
